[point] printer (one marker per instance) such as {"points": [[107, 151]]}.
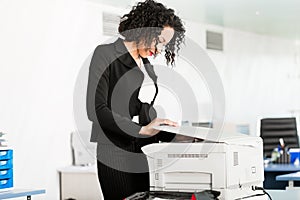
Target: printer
{"points": [[231, 164]]}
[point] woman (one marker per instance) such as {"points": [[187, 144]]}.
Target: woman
{"points": [[116, 73]]}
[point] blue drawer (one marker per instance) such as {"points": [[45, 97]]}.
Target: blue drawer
{"points": [[6, 154], [6, 183], [6, 164], [6, 173]]}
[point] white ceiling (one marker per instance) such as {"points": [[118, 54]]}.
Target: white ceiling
{"points": [[280, 18]]}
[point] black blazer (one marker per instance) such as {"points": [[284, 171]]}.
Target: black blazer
{"points": [[112, 97]]}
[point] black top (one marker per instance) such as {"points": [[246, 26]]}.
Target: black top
{"points": [[112, 96]]}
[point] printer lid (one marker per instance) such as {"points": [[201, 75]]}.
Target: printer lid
{"points": [[209, 134]]}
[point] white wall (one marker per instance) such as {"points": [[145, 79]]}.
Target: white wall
{"points": [[43, 45], [261, 75], [45, 42]]}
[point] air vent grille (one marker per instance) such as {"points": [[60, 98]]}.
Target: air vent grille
{"points": [[214, 40], [159, 163], [235, 158], [187, 155], [110, 24]]}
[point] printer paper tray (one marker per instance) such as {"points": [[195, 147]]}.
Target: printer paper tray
{"points": [[187, 181]]}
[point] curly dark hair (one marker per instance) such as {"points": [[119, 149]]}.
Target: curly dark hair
{"points": [[145, 22]]}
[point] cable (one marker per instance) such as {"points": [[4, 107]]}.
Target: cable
{"points": [[255, 195], [260, 188]]}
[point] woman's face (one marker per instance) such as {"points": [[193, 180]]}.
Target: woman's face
{"points": [[163, 39]]}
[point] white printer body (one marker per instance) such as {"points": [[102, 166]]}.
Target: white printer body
{"points": [[231, 165]]}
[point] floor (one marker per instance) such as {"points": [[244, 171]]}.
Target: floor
{"points": [[285, 194]]}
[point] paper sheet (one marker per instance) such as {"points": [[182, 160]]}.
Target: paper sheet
{"points": [[191, 131]]}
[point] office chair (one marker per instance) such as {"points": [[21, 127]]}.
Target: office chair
{"points": [[272, 129]]}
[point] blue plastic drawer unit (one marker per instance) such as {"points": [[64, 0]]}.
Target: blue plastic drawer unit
{"points": [[6, 173], [6, 168], [6, 183], [6, 154], [6, 164]]}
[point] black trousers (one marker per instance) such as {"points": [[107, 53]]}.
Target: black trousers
{"points": [[117, 185], [121, 171]]}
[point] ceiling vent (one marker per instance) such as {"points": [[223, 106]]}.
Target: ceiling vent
{"points": [[110, 24], [214, 40]]}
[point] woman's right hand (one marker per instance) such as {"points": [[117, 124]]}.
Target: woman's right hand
{"points": [[150, 131]]}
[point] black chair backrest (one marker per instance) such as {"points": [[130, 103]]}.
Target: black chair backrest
{"points": [[271, 129]]}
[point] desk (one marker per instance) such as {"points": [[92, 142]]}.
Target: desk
{"points": [[79, 182], [273, 170], [281, 168], [290, 178], [20, 193]]}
